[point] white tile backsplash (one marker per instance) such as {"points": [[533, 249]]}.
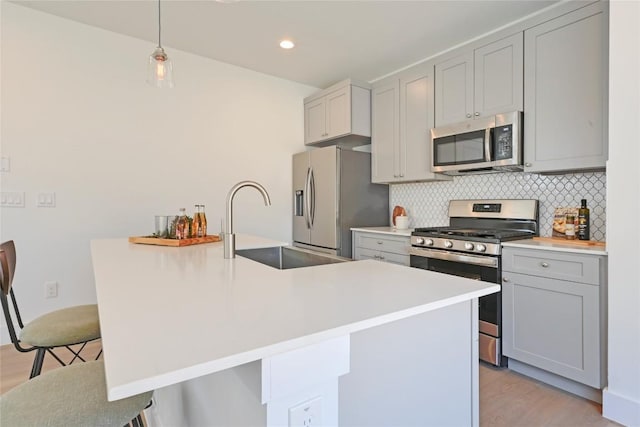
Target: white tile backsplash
{"points": [[427, 203]]}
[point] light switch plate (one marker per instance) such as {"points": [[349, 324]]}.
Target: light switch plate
{"points": [[12, 199], [5, 164], [46, 200]]}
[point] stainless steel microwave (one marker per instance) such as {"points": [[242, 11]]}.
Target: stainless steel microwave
{"points": [[484, 145]]}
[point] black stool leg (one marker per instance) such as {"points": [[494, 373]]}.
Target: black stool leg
{"points": [[37, 362]]}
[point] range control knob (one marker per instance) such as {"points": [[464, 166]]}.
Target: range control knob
{"points": [[481, 247], [468, 246], [429, 242], [448, 244], [419, 240]]}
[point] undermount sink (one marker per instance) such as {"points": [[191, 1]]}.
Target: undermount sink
{"points": [[286, 257]]}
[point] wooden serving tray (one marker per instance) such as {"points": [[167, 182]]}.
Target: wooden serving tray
{"points": [[571, 242], [150, 240]]}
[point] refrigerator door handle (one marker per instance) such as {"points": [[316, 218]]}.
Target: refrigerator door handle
{"points": [[307, 198], [312, 212]]}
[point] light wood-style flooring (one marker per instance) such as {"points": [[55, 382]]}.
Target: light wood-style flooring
{"points": [[510, 399], [506, 398], [15, 367]]}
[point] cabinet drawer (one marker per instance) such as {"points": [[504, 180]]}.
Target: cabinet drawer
{"points": [[381, 242], [364, 253], [555, 265]]}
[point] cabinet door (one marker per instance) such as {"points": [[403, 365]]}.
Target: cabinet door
{"points": [[498, 77], [566, 92], [338, 112], [553, 325], [384, 132], [454, 90], [314, 121], [416, 120]]}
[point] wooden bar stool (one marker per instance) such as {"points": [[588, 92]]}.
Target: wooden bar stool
{"points": [[60, 328], [75, 395]]}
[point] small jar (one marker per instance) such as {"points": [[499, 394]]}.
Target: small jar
{"points": [[570, 227]]}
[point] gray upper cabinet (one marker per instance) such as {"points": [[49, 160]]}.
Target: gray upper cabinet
{"points": [[566, 92], [402, 115], [339, 114], [479, 83]]}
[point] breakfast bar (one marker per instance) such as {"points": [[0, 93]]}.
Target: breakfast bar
{"points": [[233, 341]]}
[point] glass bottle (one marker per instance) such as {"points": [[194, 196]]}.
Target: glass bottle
{"points": [[203, 221], [570, 227], [196, 229], [182, 225], [584, 231]]}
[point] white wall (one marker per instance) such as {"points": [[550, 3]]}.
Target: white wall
{"points": [[621, 400], [79, 120]]}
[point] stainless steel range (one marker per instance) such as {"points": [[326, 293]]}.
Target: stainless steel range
{"points": [[471, 247]]}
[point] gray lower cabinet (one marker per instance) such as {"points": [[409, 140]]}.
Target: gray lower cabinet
{"points": [[381, 247], [565, 92], [554, 312]]}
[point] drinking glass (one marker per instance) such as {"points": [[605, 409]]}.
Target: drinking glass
{"points": [[162, 226]]}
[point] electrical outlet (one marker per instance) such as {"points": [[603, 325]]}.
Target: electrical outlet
{"points": [[50, 289], [306, 414]]}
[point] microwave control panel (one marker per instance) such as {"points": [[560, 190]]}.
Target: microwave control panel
{"points": [[503, 140]]}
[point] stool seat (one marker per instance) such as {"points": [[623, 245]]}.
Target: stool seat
{"points": [[63, 327], [75, 395]]}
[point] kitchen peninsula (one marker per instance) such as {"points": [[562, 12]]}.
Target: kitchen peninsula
{"points": [[235, 342]]}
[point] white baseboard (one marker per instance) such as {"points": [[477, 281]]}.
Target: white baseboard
{"points": [[620, 409]]}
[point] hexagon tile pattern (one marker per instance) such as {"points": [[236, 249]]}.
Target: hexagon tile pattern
{"points": [[427, 203]]}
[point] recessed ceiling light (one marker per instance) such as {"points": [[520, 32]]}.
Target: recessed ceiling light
{"points": [[287, 44]]}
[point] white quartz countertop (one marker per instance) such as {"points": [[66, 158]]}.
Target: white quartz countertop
{"points": [[385, 230], [170, 314], [556, 246]]}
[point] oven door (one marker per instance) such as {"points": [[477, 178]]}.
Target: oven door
{"points": [[485, 268]]}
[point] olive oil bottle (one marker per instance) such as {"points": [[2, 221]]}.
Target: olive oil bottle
{"points": [[584, 231]]}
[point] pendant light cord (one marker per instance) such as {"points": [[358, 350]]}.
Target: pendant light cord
{"points": [[159, 25]]}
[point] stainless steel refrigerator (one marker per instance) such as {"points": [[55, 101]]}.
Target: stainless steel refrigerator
{"points": [[332, 192]]}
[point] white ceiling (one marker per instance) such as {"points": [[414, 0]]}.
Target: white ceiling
{"points": [[334, 40]]}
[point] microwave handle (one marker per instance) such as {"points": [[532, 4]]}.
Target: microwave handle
{"points": [[487, 144]]}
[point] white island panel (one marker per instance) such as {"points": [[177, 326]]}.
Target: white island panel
{"points": [[173, 314]]}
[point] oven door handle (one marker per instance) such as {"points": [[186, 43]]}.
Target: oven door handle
{"points": [[487, 261]]}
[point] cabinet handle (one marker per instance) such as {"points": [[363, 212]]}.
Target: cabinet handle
{"points": [[544, 264], [477, 114], [528, 165], [468, 115], [504, 279], [379, 242]]}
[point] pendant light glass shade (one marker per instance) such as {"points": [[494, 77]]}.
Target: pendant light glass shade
{"points": [[160, 68]]}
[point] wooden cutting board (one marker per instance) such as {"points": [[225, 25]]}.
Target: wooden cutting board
{"points": [[150, 240], [575, 242]]}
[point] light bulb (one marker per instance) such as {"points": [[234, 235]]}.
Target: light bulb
{"points": [[160, 72]]}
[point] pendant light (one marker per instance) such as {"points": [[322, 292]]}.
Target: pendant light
{"points": [[160, 69]]}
